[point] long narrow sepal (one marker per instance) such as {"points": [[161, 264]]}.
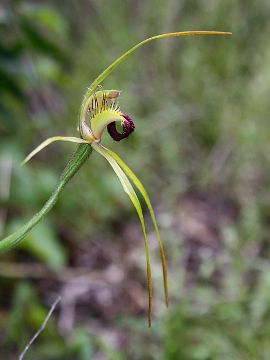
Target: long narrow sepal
{"points": [[118, 61], [144, 194], [51, 140], [134, 199]]}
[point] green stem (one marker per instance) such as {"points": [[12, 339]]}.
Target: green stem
{"points": [[74, 164]]}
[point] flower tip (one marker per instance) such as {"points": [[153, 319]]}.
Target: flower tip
{"points": [[128, 128], [113, 94], [128, 124]]}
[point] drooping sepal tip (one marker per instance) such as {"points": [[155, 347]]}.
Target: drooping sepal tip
{"points": [[146, 198]]}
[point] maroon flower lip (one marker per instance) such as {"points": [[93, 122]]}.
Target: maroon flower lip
{"points": [[128, 128]]}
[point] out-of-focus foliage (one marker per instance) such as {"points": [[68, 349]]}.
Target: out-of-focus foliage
{"points": [[201, 147]]}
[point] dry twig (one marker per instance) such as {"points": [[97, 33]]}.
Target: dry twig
{"points": [[41, 328]]}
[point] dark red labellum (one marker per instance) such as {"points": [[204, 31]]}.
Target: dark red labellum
{"points": [[128, 128]]}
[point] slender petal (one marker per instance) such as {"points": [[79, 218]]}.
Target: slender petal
{"points": [[142, 190], [134, 199], [51, 140]]}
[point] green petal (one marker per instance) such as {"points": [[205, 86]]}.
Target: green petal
{"points": [[49, 141], [142, 190], [134, 199]]}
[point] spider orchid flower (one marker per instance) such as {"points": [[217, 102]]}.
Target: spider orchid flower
{"points": [[100, 110], [103, 112]]}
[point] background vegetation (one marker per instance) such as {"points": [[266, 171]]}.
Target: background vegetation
{"points": [[201, 147]]}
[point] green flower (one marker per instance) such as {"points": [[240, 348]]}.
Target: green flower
{"points": [[100, 110], [103, 111]]}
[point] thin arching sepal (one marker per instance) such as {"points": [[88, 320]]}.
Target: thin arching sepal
{"points": [[101, 77], [51, 140]]}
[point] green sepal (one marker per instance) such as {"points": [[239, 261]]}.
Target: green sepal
{"points": [[51, 140], [92, 88]]}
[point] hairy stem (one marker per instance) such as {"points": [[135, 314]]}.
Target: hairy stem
{"points": [[74, 164]]}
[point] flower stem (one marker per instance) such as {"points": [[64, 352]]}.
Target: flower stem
{"points": [[79, 157]]}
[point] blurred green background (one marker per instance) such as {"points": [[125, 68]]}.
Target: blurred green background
{"points": [[201, 147]]}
